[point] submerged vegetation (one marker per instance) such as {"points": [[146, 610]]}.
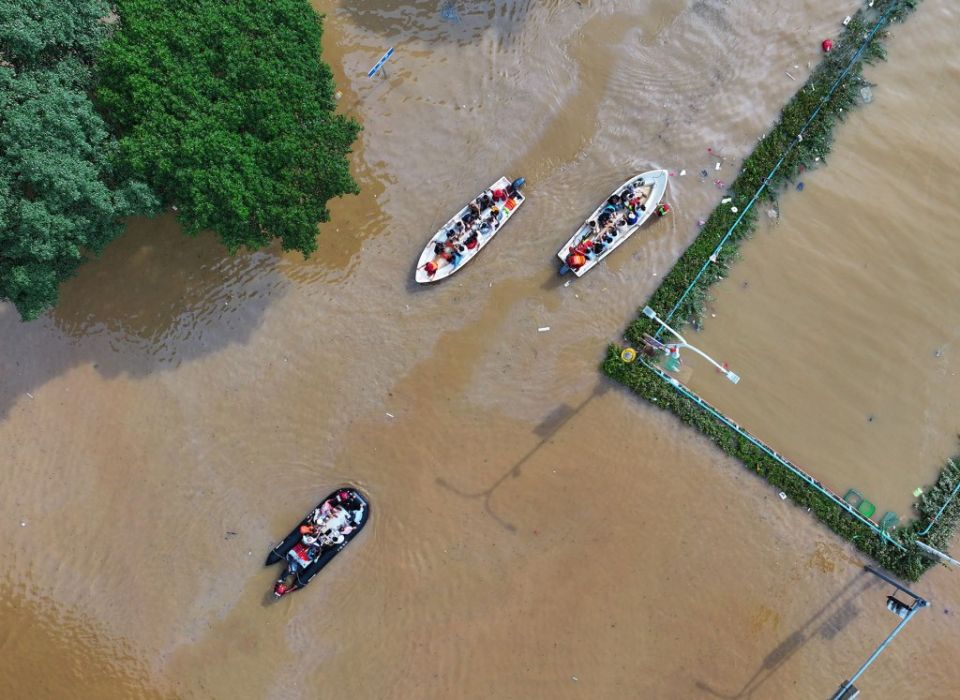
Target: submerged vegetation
{"points": [[801, 138], [222, 110]]}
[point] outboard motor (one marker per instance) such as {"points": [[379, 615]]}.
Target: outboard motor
{"points": [[518, 183]]}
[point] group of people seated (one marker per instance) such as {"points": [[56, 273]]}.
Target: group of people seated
{"points": [[621, 212], [326, 527], [328, 524], [481, 218]]}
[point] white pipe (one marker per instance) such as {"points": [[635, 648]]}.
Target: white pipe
{"points": [[937, 553]]}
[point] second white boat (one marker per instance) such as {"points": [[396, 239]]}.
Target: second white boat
{"points": [[613, 222]]}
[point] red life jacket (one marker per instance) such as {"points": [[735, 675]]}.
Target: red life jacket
{"points": [[575, 261]]}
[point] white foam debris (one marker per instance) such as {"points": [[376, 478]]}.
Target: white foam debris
{"points": [[543, 329]]}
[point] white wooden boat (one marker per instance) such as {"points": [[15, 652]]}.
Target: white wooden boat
{"points": [[445, 253], [648, 188]]}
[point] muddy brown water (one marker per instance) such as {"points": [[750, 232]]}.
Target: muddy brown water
{"points": [[537, 532]]}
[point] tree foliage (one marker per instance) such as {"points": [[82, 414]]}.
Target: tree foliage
{"points": [[59, 198], [38, 32], [227, 109]]}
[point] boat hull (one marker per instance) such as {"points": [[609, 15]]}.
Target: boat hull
{"points": [[447, 268], [657, 180], [305, 574]]}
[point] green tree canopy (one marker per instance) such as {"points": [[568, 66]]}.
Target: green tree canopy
{"points": [[227, 109], [59, 198], [33, 32]]}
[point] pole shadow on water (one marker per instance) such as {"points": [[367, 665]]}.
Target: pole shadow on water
{"points": [[549, 427], [826, 626]]}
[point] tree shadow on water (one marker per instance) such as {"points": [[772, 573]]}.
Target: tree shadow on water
{"points": [[548, 427], [153, 300]]}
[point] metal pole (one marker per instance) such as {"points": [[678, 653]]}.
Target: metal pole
{"points": [[650, 313], [918, 604], [937, 553], [875, 654], [893, 582]]}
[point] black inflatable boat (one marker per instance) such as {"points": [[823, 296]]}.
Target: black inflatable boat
{"points": [[319, 538]]}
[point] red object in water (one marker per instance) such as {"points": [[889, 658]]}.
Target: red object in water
{"points": [[827, 45]]}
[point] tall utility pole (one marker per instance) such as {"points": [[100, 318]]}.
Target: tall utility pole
{"points": [[847, 690]]}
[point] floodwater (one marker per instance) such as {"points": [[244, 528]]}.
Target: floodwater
{"points": [[842, 317], [537, 532]]}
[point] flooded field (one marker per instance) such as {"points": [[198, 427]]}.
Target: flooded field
{"points": [[537, 532], [842, 315]]}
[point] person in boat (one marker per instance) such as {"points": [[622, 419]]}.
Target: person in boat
{"points": [[495, 213], [499, 195], [576, 260], [598, 247], [583, 247], [485, 200], [614, 202], [632, 218], [471, 241], [603, 219]]}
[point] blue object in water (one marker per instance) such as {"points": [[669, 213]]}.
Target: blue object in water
{"points": [[799, 187], [448, 11], [519, 183]]}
